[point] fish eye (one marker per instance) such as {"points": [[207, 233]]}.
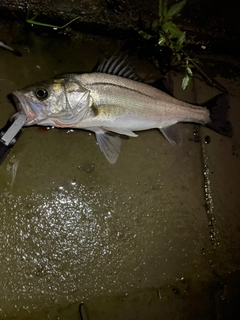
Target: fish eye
{"points": [[41, 93]]}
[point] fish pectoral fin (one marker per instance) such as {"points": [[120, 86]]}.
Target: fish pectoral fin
{"points": [[125, 132], [173, 133], [109, 143]]}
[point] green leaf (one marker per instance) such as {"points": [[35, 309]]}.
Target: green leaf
{"points": [[170, 27], [166, 26], [155, 24], [163, 8], [161, 40], [145, 35], [185, 81], [179, 57], [175, 9], [171, 45], [182, 38], [189, 71], [178, 46]]}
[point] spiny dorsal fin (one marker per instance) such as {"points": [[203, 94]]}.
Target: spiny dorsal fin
{"points": [[117, 65]]}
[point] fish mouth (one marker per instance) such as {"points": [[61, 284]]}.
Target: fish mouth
{"points": [[22, 106], [17, 102]]}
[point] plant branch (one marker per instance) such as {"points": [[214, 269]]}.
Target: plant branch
{"points": [[208, 80]]}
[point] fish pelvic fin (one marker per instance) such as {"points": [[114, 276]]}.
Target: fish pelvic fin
{"points": [[109, 143], [173, 133], [218, 108]]}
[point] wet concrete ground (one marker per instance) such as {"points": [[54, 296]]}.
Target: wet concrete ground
{"points": [[156, 235]]}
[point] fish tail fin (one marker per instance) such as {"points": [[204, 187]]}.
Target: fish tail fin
{"points": [[218, 108]]}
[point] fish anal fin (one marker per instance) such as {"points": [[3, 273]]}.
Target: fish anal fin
{"points": [[109, 143], [172, 133]]}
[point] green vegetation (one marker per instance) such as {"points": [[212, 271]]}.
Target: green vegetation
{"points": [[167, 34], [33, 21]]}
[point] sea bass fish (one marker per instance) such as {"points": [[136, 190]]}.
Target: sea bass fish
{"points": [[111, 102]]}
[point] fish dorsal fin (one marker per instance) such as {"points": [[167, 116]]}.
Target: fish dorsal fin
{"points": [[117, 66]]}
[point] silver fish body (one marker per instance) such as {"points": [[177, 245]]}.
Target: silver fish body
{"points": [[126, 104], [106, 104]]}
